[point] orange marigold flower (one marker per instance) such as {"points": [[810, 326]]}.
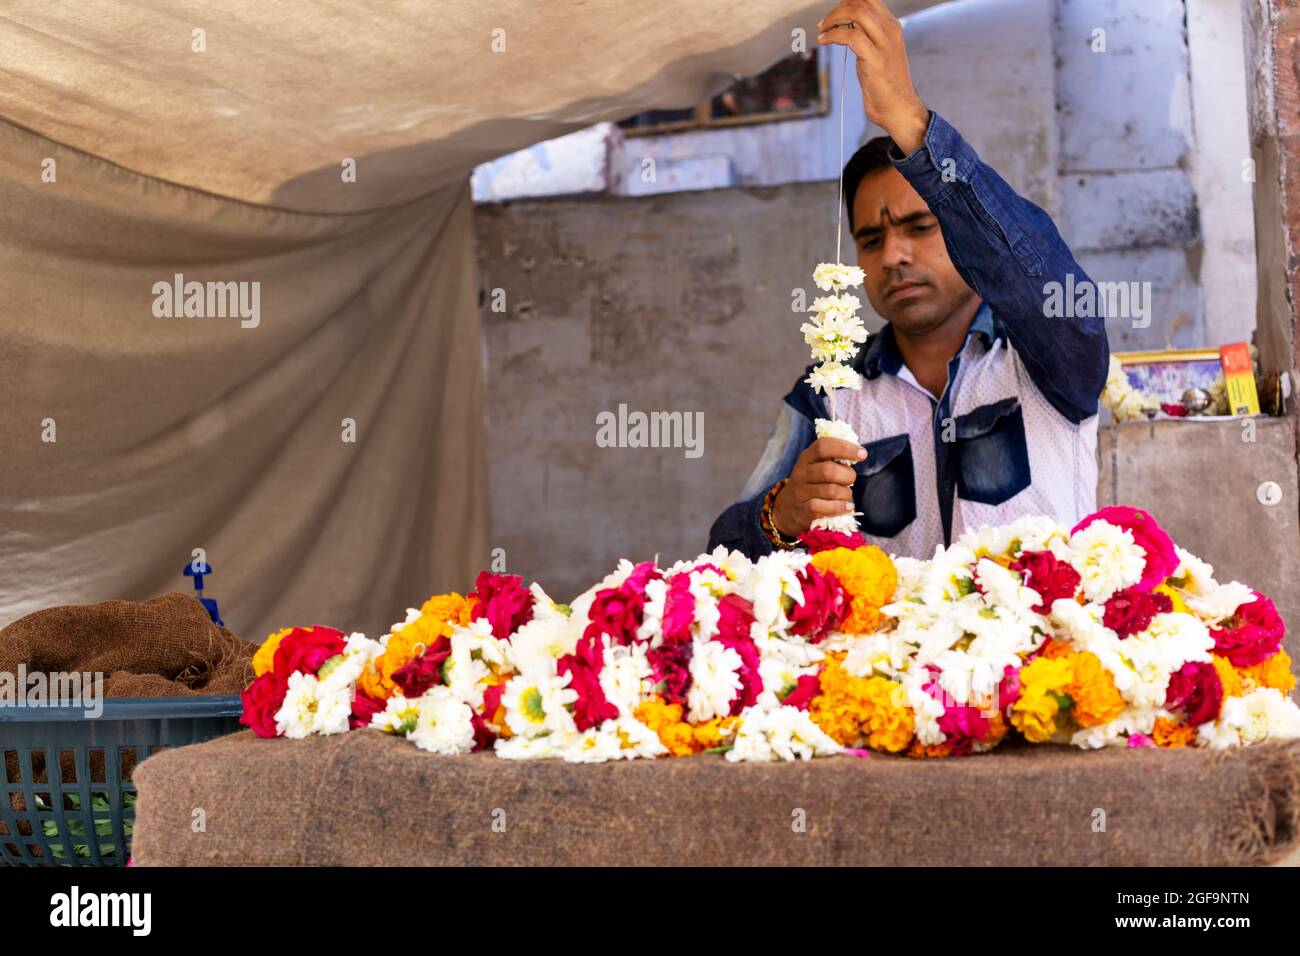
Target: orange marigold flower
{"points": [[851, 708], [438, 617], [1228, 675], [1096, 698], [870, 579], [1054, 650], [679, 737], [919, 749], [1170, 733], [1272, 672], [264, 659]]}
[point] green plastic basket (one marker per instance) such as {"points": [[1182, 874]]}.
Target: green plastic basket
{"points": [[87, 820]]}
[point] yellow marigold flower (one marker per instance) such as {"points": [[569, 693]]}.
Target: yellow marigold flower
{"points": [[1034, 715], [1272, 672], [1041, 680], [264, 659], [1096, 698], [870, 579], [1175, 598], [680, 738], [1170, 733], [850, 708], [1228, 676], [438, 616]]}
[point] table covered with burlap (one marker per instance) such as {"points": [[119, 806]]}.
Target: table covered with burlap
{"points": [[365, 798]]}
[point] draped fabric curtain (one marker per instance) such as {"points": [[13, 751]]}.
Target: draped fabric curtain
{"points": [[238, 303]]}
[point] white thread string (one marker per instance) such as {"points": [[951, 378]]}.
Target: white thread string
{"points": [[839, 196]]}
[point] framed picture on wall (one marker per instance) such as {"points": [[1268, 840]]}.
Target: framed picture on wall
{"points": [[1166, 374]]}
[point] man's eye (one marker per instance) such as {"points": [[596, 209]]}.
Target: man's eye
{"points": [[923, 226], [870, 243]]}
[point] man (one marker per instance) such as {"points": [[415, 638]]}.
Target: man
{"points": [[975, 407]]}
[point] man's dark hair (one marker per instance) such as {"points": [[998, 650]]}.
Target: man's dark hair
{"points": [[871, 157]]}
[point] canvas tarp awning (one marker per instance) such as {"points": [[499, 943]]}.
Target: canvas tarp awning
{"points": [[129, 156]]}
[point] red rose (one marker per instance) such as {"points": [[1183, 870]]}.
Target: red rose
{"points": [[483, 735], [418, 675], [592, 708], [822, 539], [805, 689], [1253, 633], [671, 665], [1130, 611], [1174, 409], [736, 616], [1197, 690], [261, 699], [504, 601], [825, 604], [1162, 560], [364, 707], [305, 649], [1053, 579], [617, 611]]}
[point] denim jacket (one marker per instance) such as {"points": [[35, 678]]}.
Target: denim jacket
{"points": [[1014, 432]]}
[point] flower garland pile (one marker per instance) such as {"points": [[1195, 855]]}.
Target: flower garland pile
{"points": [[1104, 635]]}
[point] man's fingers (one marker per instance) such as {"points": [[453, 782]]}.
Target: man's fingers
{"points": [[867, 21], [831, 448], [822, 508], [827, 491], [830, 472]]}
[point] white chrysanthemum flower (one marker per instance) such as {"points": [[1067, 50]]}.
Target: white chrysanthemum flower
{"points": [[834, 336], [310, 709], [651, 627], [911, 575], [1107, 559], [622, 739], [780, 676], [846, 523], [1196, 576], [537, 703], [476, 655], [775, 577], [625, 675], [926, 711], [531, 748], [836, 276], [541, 642], [784, 733], [885, 653], [715, 681], [836, 307], [341, 672], [1262, 714], [1221, 602], [443, 724], [1004, 590], [398, 716], [1117, 732], [543, 605], [1030, 533], [707, 587], [967, 679], [949, 575], [830, 375]]}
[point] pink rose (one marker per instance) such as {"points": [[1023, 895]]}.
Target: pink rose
{"points": [[504, 601], [821, 539], [805, 689], [618, 611], [825, 603], [1162, 560], [1253, 633], [592, 708]]}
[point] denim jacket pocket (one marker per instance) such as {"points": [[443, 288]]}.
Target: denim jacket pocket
{"points": [[993, 456], [885, 489]]}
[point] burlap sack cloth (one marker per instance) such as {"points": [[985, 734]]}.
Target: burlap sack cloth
{"points": [[165, 647], [365, 798]]}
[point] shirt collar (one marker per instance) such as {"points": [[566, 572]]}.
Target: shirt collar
{"points": [[882, 354]]}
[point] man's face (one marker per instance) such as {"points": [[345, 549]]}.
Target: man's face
{"points": [[910, 280]]}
